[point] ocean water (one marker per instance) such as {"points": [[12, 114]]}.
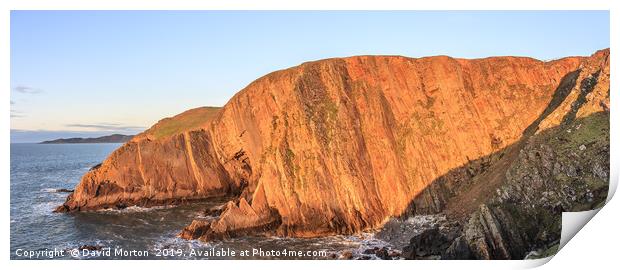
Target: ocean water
{"points": [[39, 170]]}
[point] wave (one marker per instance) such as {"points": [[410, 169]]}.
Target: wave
{"points": [[135, 209], [56, 190], [44, 209]]}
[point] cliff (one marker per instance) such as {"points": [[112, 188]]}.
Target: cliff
{"points": [[159, 166], [560, 164], [332, 146], [564, 167], [555, 171]]}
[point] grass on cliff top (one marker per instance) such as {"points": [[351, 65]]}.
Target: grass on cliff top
{"points": [[593, 129], [188, 120]]}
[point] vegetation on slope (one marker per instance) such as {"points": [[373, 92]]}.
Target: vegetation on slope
{"points": [[188, 120]]}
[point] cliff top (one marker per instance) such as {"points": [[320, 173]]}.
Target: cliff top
{"points": [[185, 121]]}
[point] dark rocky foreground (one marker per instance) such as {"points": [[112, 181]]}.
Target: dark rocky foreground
{"points": [[564, 169], [509, 204]]}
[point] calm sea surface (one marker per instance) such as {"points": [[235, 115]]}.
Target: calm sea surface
{"points": [[39, 170]]}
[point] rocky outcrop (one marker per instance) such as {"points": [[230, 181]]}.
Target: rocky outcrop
{"points": [[159, 166], [332, 146], [238, 219], [561, 164], [555, 172]]}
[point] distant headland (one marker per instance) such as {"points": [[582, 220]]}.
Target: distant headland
{"points": [[114, 138]]}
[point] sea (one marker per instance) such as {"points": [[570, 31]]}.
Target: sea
{"points": [[40, 171]]}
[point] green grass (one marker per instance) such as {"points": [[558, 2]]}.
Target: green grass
{"points": [[188, 120], [583, 131], [593, 133]]}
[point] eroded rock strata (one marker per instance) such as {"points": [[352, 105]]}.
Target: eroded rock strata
{"points": [[339, 145], [561, 165]]}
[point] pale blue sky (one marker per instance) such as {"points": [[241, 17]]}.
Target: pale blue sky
{"points": [[98, 72]]}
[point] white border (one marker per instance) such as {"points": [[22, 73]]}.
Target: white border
{"points": [[311, 5], [593, 244]]}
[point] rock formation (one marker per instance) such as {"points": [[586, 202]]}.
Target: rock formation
{"points": [[561, 165], [336, 145], [169, 163], [554, 172]]}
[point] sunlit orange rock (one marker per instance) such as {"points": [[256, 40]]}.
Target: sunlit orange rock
{"points": [[331, 146]]}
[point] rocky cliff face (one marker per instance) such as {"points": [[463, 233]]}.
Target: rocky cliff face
{"points": [[565, 168], [333, 146], [561, 164], [172, 162]]}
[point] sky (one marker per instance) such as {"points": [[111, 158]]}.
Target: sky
{"points": [[94, 73]]}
